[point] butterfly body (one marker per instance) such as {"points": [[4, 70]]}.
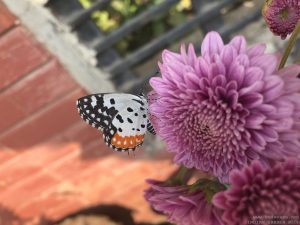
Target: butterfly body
{"points": [[123, 118]]}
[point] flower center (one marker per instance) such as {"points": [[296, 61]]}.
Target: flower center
{"points": [[284, 14], [205, 130], [210, 128]]}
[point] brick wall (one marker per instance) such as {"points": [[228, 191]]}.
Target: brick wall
{"points": [[52, 163]]}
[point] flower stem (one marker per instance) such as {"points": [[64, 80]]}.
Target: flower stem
{"points": [[209, 187], [181, 173], [180, 176], [290, 46]]}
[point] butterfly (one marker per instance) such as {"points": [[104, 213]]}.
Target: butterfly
{"points": [[123, 118]]}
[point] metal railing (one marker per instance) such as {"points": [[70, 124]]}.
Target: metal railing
{"points": [[79, 19]]}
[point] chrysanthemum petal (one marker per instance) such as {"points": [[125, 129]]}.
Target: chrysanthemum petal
{"points": [[267, 62], [239, 43], [212, 44], [228, 54], [180, 206], [256, 50]]}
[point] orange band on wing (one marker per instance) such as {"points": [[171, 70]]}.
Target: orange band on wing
{"points": [[127, 141]]}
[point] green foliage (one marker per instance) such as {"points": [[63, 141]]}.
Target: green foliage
{"points": [[120, 11], [208, 187]]}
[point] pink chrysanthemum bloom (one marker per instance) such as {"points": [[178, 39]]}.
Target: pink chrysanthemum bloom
{"points": [[228, 107], [282, 16], [182, 207], [261, 196]]}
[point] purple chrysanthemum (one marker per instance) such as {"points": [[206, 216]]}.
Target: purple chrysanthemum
{"points": [[228, 107], [180, 206], [282, 16], [262, 196]]}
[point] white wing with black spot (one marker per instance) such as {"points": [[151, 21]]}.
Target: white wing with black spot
{"points": [[123, 118]]}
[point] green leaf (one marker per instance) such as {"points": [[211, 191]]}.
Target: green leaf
{"points": [[158, 28], [86, 3]]}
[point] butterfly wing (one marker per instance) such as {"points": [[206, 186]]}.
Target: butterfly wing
{"points": [[95, 111], [128, 127], [121, 117]]}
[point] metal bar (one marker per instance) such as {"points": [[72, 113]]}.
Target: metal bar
{"points": [[133, 24], [253, 16], [135, 85], [224, 31], [84, 14], [164, 40], [199, 6]]}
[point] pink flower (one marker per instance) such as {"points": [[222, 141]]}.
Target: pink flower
{"points": [[261, 195], [226, 108], [181, 207], [282, 16]]}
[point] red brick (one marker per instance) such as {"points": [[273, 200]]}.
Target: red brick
{"points": [[10, 111], [97, 173], [118, 181], [33, 92], [33, 161], [7, 20], [97, 184], [75, 163], [138, 177], [134, 174], [15, 174], [6, 154], [65, 207], [44, 85], [106, 177], [44, 206], [28, 190], [80, 132], [41, 126], [38, 207], [133, 186], [128, 177], [19, 55], [67, 173], [95, 149]]}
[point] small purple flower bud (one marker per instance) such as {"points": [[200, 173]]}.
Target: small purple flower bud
{"points": [[281, 16]]}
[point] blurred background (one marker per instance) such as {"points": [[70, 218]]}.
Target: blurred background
{"points": [[54, 168]]}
